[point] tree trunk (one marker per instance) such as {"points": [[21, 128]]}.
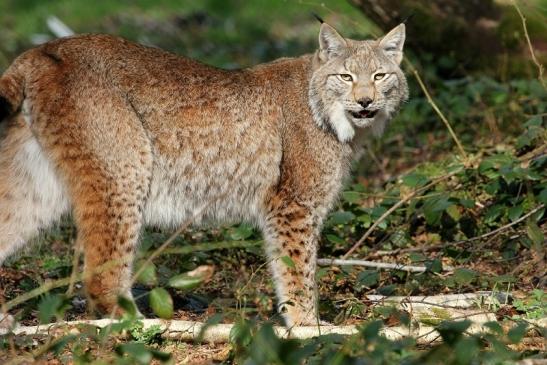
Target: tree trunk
{"points": [[458, 36]]}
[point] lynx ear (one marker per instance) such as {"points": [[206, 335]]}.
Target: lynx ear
{"points": [[393, 42], [330, 42]]}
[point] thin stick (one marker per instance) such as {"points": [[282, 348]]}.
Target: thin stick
{"points": [[54, 284], [75, 264], [377, 265], [530, 47], [394, 208], [482, 236], [439, 113], [535, 152]]}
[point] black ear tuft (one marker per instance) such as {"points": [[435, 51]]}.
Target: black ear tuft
{"points": [[319, 19], [410, 16], [5, 108]]}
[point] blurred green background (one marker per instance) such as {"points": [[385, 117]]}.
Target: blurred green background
{"points": [[231, 34]]}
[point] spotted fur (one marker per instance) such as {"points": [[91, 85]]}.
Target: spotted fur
{"points": [[122, 136]]}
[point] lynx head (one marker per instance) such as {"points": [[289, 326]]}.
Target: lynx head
{"points": [[357, 83]]}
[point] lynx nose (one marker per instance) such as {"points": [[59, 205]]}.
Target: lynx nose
{"points": [[364, 102]]}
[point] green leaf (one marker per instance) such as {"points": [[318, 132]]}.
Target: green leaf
{"points": [[414, 180], [367, 278], [535, 121], [372, 330], [128, 306], [516, 333], [185, 281], [241, 232], [365, 219], [454, 212], [464, 276], [451, 331], [351, 197], [337, 218], [494, 213], [490, 166], [542, 197], [495, 327], [58, 345], [137, 351], [321, 273], [515, 212], [467, 203], [147, 275], [288, 261], [434, 265], [161, 303], [335, 239], [433, 208], [534, 233], [52, 306], [240, 334], [416, 257]]}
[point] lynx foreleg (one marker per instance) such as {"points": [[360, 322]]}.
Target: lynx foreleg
{"points": [[291, 245]]}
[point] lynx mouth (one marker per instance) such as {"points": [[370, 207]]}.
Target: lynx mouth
{"points": [[363, 114]]}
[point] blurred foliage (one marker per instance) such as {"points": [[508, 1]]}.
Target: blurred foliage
{"points": [[463, 36]]}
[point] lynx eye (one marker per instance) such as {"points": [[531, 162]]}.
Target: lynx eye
{"points": [[346, 77], [379, 76]]}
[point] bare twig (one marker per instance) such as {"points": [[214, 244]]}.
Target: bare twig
{"points": [[482, 236], [394, 208], [439, 113], [535, 152], [377, 265], [53, 284], [530, 47]]}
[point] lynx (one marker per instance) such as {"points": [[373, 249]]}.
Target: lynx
{"points": [[123, 136]]}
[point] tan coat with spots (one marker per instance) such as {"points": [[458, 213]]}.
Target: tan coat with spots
{"points": [[121, 135]]}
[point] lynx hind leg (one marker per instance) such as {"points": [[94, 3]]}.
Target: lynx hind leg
{"points": [[106, 159], [32, 197], [108, 213], [290, 231]]}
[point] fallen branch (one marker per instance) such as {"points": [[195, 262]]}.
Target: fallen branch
{"points": [[465, 300], [220, 333], [377, 265]]}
